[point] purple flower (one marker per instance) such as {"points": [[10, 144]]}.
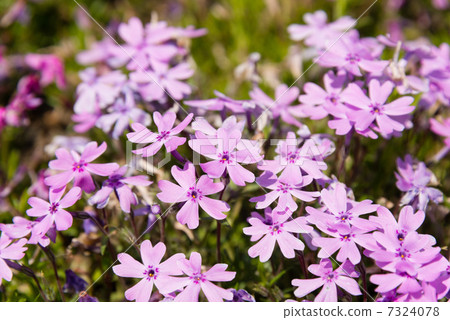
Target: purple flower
{"points": [[291, 160], [227, 150], [194, 194], [74, 283], [351, 54], [202, 281], [117, 182], [275, 228], [140, 51], [317, 32], [53, 212], [221, 102], [241, 295], [328, 280], [413, 179], [374, 107], [152, 271], [281, 106], [344, 239], [12, 251], [120, 114], [283, 189], [167, 134], [50, 66], [339, 210], [97, 90], [442, 129], [153, 84], [22, 227], [319, 102], [79, 167]]}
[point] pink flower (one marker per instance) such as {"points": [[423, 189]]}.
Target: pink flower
{"points": [[53, 212], [275, 228], [227, 150], [339, 210], [152, 271], [79, 167], [283, 189], [281, 105], [374, 107], [12, 251], [117, 183], [21, 227], [194, 194], [166, 136], [50, 66], [328, 280], [140, 49], [442, 129], [153, 85], [198, 281], [351, 54], [317, 32], [291, 160], [319, 102]]}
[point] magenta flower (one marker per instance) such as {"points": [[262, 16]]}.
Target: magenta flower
{"points": [[50, 67], [118, 183], [374, 107], [12, 251], [227, 150], [291, 160], [339, 210], [317, 32], [194, 194], [152, 271], [53, 212], [167, 134], [328, 280], [442, 129], [202, 281], [413, 179], [22, 227], [281, 105], [153, 85], [275, 228], [283, 189], [79, 167]]}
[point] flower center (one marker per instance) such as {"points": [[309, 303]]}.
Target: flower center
{"points": [[54, 207], [403, 254], [194, 194], [114, 181], [277, 229], [291, 157], [346, 237], [163, 135], [352, 58], [376, 108], [79, 166], [224, 157], [333, 99], [198, 277], [151, 272], [284, 188], [330, 277]]}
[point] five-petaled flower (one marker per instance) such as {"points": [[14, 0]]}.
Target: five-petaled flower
{"points": [[79, 167]]}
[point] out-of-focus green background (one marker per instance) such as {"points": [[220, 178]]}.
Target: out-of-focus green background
{"points": [[236, 28]]}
